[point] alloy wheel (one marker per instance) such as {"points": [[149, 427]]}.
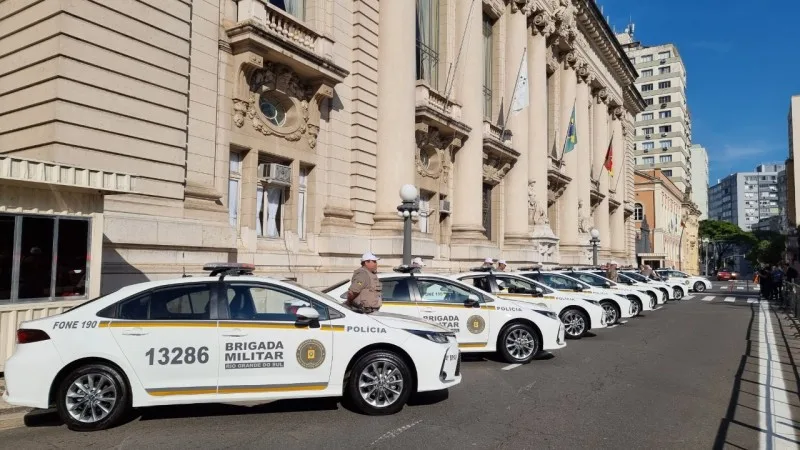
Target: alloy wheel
{"points": [[574, 324], [91, 397], [380, 384], [520, 344]]}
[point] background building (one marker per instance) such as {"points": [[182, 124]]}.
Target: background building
{"points": [[745, 198], [142, 142], [663, 129], [661, 202], [699, 171], [792, 169]]}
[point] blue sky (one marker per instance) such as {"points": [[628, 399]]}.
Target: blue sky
{"points": [[743, 65]]}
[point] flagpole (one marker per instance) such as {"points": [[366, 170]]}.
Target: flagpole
{"points": [[513, 93]]}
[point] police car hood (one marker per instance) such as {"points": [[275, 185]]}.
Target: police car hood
{"points": [[406, 322]]}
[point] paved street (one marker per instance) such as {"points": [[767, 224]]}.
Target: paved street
{"points": [[694, 374]]}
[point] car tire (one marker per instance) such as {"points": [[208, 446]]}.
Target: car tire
{"points": [[373, 366], [699, 286], [101, 387], [519, 343], [576, 323], [677, 293], [612, 312]]}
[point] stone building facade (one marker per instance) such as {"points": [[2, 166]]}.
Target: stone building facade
{"points": [[279, 133]]}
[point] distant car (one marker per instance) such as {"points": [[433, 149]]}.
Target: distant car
{"points": [[697, 284], [726, 275]]}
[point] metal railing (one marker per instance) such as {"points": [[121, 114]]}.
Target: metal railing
{"points": [[791, 299]]}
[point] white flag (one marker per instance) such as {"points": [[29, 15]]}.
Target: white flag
{"points": [[521, 100]]}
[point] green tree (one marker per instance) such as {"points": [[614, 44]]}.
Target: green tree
{"points": [[726, 239], [769, 249]]}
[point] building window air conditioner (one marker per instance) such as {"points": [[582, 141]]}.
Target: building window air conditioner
{"points": [[663, 134], [274, 173], [647, 136], [663, 105], [444, 207], [663, 61]]}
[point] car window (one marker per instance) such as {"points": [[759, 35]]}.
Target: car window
{"points": [[263, 302], [441, 291], [396, 290], [514, 285], [481, 282], [558, 282], [335, 286], [589, 279], [171, 303]]}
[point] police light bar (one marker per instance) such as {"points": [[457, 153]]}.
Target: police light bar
{"points": [[524, 268], [229, 268], [406, 269], [481, 269]]}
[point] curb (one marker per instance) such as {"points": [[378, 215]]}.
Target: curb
{"points": [[14, 410]]}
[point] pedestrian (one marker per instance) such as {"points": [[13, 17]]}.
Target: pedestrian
{"points": [[764, 277], [647, 271], [417, 264], [364, 293], [777, 283], [791, 274], [611, 272], [501, 265]]}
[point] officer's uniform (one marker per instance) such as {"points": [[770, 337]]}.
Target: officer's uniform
{"points": [[367, 287]]}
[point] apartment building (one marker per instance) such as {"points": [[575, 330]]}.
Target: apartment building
{"points": [[745, 198], [792, 169], [663, 130]]}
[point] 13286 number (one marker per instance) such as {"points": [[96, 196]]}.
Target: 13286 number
{"points": [[178, 355]]}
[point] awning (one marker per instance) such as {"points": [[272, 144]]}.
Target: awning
{"points": [[50, 175]]}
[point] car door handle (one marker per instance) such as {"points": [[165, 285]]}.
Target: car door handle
{"points": [[134, 332], [235, 333]]}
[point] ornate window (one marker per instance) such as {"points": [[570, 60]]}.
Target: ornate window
{"points": [[272, 108], [428, 42], [638, 212], [293, 7], [234, 183]]}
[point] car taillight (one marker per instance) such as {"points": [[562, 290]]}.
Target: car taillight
{"points": [[27, 336]]}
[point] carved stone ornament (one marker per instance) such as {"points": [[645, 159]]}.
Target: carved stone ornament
{"points": [[584, 74], [432, 155], [570, 59], [537, 209], [584, 220], [494, 168], [617, 112], [280, 84], [552, 61], [564, 12], [546, 249], [542, 23], [602, 95]]}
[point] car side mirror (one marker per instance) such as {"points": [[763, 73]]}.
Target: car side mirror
{"points": [[538, 292], [607, 284], [307, 317], [472, 301], [578, 289]]}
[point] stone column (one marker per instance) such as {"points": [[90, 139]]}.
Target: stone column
{"points": [[583, 151], [396, 110], [538, 152], [618, 217], [516, 181], [568, 203], [468, 170], [600, 113]]}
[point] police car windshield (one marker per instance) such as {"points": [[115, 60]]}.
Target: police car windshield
{"points": [[637, 277], [335, 286]]}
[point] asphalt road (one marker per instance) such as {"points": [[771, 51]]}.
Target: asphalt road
{"points": [[671, 379]]}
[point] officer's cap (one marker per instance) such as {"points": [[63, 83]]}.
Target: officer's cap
{"points": [[369, 256]]}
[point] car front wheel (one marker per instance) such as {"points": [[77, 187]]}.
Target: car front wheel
{"points": [[653, 300], [612, 312], [379, 384], [699, 286], [677, 293], [519, 343], [575, 323], [92, 397]]}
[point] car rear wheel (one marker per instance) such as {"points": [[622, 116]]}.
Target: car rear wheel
{"points": [[677, 293], [519, 343], [379, 384], [699, 286], [92, 397], [575, 323], [612, 312]]}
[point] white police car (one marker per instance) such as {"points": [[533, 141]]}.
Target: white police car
{"points": [[676, 289], [577, 314], [645, 300], [616, 306], [695, 283], [225, 338], [481, 322]]}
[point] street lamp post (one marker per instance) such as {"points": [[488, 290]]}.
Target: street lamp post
{"points": [[407, 209], [705, 256], [595, 240]]}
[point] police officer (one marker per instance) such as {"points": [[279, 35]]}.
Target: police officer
{"points": [[364, 293], [417, 264], [501, 265]]}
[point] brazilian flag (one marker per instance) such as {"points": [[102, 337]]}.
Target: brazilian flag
{"points": [[572, 135]]}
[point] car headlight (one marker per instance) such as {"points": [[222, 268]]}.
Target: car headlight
{"points": [[594, 302], [549, 314], [433, 336]]}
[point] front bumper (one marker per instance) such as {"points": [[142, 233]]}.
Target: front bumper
{"points": [[449, 370], [555, 338]]}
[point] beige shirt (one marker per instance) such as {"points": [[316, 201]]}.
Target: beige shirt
{"points": [[367, 288]]}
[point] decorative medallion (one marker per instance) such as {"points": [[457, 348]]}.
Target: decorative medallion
{"points": [[311, 354], [476, 324]]}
